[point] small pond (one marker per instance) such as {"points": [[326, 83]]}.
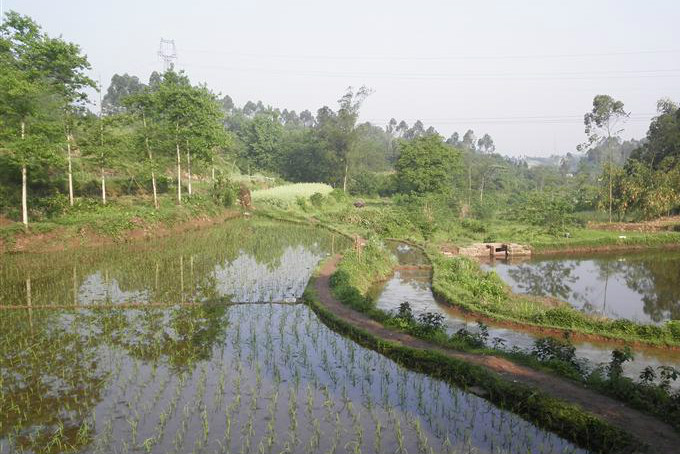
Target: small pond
{"points": [[640, 286]]}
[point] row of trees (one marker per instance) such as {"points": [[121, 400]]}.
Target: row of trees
{"points": [[42, 82], [156, 132], [48, 132], [44, 121]]}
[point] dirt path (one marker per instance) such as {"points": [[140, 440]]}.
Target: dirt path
{"points": [[661, 437]]}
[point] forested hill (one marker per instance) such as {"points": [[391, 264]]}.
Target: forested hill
{"points": [[169, 135]]}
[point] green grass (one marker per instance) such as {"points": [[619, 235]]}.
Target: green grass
{"points": [[465, 232], [118, 216], [367, 265]]}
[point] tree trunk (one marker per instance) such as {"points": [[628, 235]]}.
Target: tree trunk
{"points": [[469, 185], [609, 145], [344, 180], [610, 192], [24, 201], [189, 171], [179, 174], [148, 151], [24, 184], [481, 190], [101, 143], [103, 186], [70, 168], [213, 173]]}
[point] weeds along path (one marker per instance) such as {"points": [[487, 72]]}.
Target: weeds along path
{"points": [[659, 436]]}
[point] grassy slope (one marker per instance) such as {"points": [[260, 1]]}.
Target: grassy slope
{"points": [[115, 219]]}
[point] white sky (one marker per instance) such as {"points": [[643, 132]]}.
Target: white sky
{"points": [[525, 72]]}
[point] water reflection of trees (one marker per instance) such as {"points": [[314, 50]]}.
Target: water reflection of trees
{"points": [[50, 381], [658, 281], [52, 376], [655, 277], [179, 336], [547, 278], [172, 270]]}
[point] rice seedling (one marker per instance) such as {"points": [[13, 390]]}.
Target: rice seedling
{"points": [[217, 378]]}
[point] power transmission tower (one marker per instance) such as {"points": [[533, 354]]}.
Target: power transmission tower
{"points": [[168, 53]]}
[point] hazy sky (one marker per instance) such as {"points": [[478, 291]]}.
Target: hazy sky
{"points": [[525, 72]]}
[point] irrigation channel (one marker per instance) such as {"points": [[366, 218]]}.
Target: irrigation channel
{"points": [[412, 283], [141, 352]]}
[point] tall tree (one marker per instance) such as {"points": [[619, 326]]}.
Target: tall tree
{"points": [[192, 116], [340, 129], [454, 140], [426, 165], [141, 105], [602, 125], [173, 104], [262, 137], [486, 145], [663, 136], [469, 140], [39, 77], [120, 88]]}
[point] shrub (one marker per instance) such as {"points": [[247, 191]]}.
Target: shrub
{"points": [[429, 323], [302, 203], [53, 205], [619, 357], [563, 316], [674, 328], [405, 313], [224, 192], [552, 349], [475, 340], [339, 195], [551, 211], [316, 199], [473, 225], [484, 210]]}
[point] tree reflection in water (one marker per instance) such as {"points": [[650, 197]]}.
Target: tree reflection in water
{"points": [[629, 285]]}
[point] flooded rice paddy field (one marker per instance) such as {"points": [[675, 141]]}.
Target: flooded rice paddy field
{"points": [[141, 353], [247, 261], [640, 286], [414, 286]]}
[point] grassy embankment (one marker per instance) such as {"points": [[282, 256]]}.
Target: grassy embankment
{"points": [[358, 270], [461, 281], [91, 219], [439, 226]]}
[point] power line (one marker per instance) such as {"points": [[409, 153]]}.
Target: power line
{"points": [[437, 58], [640, 118], [569, 75]]}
